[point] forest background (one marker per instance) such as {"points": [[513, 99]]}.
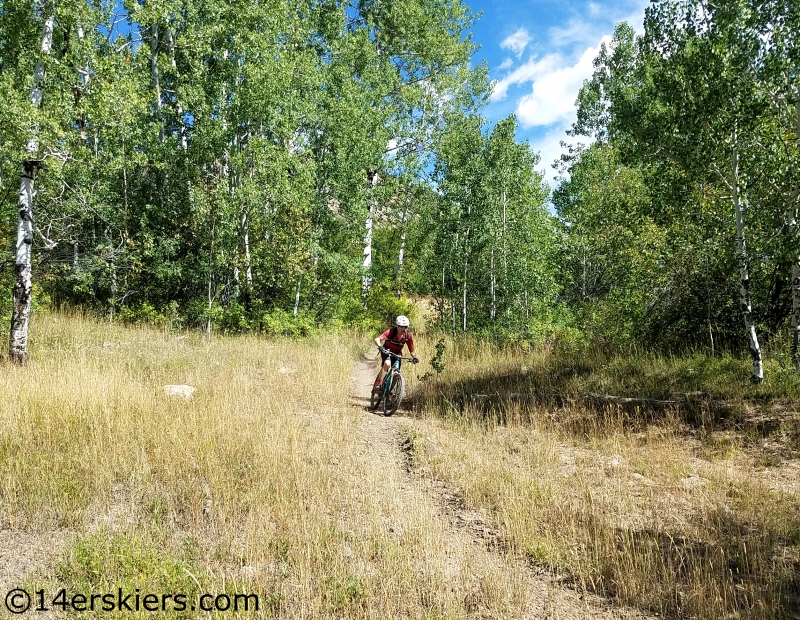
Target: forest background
{"points": [[281, 167]]}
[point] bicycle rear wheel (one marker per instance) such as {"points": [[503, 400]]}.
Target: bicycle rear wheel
{"points": [[395, 395]]}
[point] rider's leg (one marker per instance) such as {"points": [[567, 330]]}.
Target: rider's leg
{"points": [[382, 372]]}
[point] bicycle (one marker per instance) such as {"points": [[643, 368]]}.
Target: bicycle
{"points": [[393, 388]]}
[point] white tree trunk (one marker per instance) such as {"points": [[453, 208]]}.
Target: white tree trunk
{"points": [[247, 264], [154, 78], [442, 298], [366, 279], [400, 254], [583, 272], [464, 302], [178, 106], [464, 289], [493, 311], [83, 83], [795, 234], [795, 304], [744, 275], [23, 284], [505, 255], [297, 296]]}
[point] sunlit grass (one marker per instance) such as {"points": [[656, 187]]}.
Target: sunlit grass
{"points": [[619, 502], [260, 483]]}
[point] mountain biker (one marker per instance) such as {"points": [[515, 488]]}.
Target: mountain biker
{"points": [[393, 339]]}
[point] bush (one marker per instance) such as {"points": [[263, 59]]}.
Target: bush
{"points": [[383, 308], [278, 322], [145, 312]]}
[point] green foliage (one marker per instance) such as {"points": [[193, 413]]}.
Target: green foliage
{"points": [[279, 322], [220, 169], [145, 312], [436, 361], [492, 241], [220, 174], [683, 114], [384, 307], [104, 562], [344, 594]]}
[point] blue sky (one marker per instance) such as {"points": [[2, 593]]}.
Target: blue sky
{"points": [[539, 52]]}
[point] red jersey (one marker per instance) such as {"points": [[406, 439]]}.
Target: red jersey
{"points": [[395, 342]]}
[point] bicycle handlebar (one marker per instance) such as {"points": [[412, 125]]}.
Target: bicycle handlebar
{"points": [[386, 351]]}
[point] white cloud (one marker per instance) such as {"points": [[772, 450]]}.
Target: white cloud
{"points": [[506, 64], [552, 97], [583, 29], [517, 42], [528, 72], [575, 31], [549, 85]]}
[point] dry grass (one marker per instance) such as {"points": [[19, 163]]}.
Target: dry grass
{"points": [[269, 481], [258, 484], [616, 502]]}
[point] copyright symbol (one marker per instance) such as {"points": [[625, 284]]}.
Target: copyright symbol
{"points": [[18, 601]]}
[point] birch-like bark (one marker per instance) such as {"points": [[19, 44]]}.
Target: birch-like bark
{"points": [[464, 289], [443, 297], [112, 260], [505, 254], [83, 83], [399, 272], [464, 301], [708, 308], [744, 275], [297, 296], [366, 279], [23, 283], [247, 263], [210, 277], [493, 311], [527, 314], [583, 273], [154, 78], [178, 106], [795, 260]]}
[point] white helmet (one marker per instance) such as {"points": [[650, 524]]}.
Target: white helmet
{"points": [[402, 321]]}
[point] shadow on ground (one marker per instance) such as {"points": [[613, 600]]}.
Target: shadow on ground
{"points": [[768, 429]]}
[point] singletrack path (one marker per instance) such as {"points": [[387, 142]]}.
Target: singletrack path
{"points": [[466, 548]]}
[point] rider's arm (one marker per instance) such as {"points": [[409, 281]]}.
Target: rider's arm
{"points": [[380, 339], [411, 348]]}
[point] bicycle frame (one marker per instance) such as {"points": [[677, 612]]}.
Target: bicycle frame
{"points": [[387, 380], [391, 379]]}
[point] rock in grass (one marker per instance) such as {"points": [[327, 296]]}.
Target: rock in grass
{"points": [[179, 391], [693, 481]]}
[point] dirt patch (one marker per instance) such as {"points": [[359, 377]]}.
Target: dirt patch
{"points": [[24, 555]]}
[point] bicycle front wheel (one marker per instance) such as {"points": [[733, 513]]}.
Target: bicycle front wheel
{"points": [[395, 395], [375, 398]]}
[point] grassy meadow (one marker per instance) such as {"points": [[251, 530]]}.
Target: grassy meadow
{"points": [[260, 483], [266, 481], [688, 512]]}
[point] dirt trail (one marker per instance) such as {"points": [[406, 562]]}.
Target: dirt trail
{"points": [[469, 534]]}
